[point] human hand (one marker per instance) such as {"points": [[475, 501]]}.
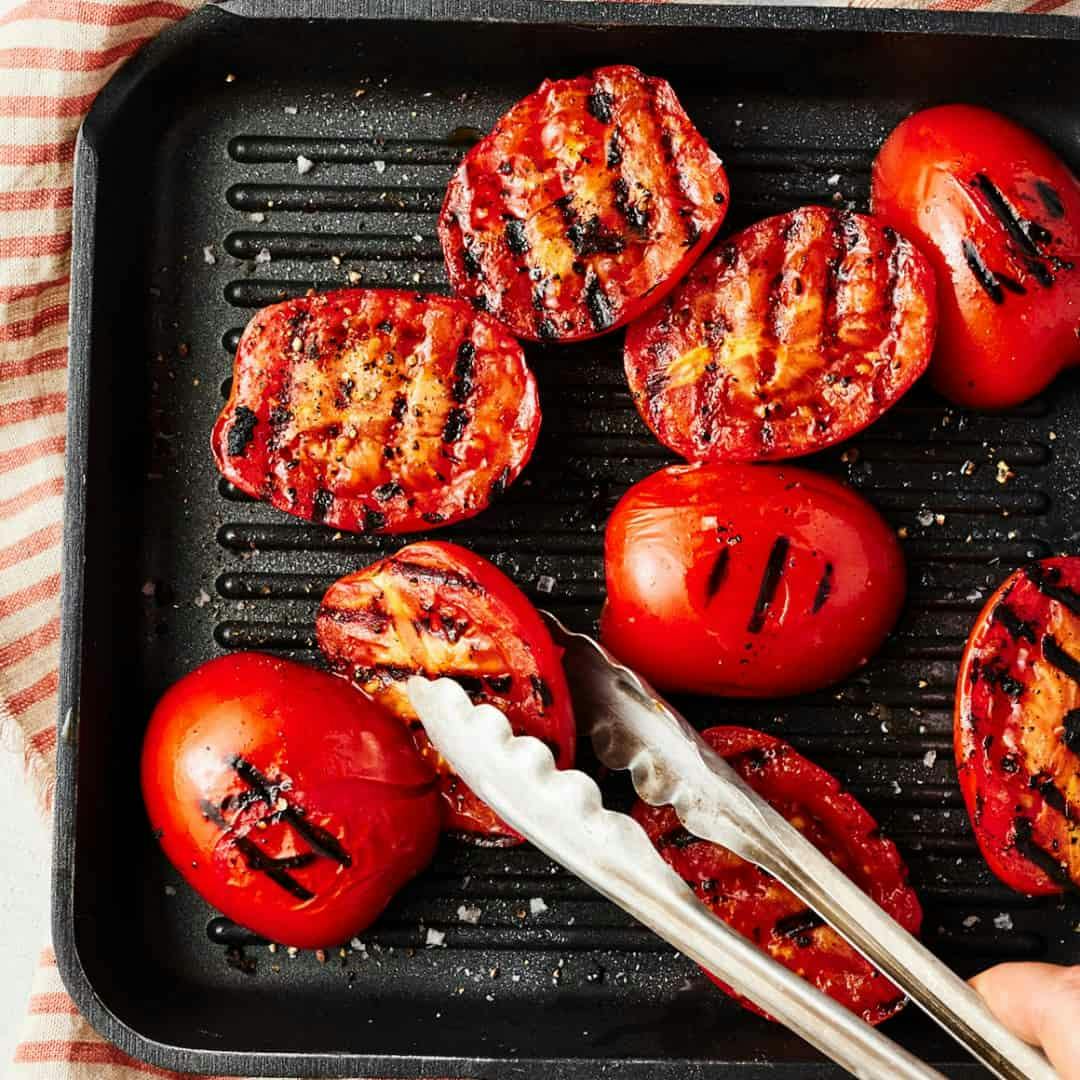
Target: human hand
{"points": [[1041, 1004]]}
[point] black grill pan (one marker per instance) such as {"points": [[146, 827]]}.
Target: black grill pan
{"points": [[187, 180]]}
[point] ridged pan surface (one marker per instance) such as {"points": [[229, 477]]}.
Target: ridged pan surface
{"points": [[202, 215]]}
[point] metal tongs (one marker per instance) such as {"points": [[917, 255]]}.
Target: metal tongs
{"points": [[632, 727]]}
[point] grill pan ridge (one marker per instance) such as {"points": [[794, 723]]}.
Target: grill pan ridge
{"points": [[190, 214]]}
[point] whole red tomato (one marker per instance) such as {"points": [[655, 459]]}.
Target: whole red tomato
{"points": [[998, 213], [1017, 727], [287, 800], [747, 580]]}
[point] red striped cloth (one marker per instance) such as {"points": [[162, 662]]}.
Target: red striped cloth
{"points": [[54, 57]]}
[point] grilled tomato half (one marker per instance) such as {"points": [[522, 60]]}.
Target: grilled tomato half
{"points": [[755, 904], [587, 201], [998, 214], [1017, 728], [436, 609], [287, 800], [747, 580], [793, 335], [374, 410]]}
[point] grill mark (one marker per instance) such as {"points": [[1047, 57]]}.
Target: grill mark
{"points": [[373, 519], [600, 104], [1047, 583], [677, 838], [469, 258], [1054, 797], [321, 503], [1050, 199], [824, 589], [542, 690], [463, 372], [324, 843], [213, 813], [272, 868], [371, 618], [842, 242], [1070, 736], [982, 273], [500, 684], [1027, 235], [798, 926], [388, 491], [717, 574], [514, 235], [242, 430], [593, 237], [615, 150], [770, 581], [636, 217], [1012, 284], [1016, 627], [1065, 662], [600, 310], [398, 407], [1024, 842], [414, 571], [454, 427]]}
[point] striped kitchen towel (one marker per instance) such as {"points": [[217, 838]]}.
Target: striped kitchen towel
{"points": [[54, 57]]}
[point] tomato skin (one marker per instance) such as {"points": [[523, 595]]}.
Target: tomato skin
{"points": [[793, 335], [755, 904], [437, 609], [347, 768], [951, 178], [584, 205], [1017, 728], [377, 410], [747, 580]]}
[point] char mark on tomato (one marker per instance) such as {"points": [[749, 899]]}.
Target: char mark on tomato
{"points": [[824, 589], [799, 926], [1047, 579], [793, 336], [563, 238], [770, 582], [376, 410], [717, 574], [1050, 199], [1051, 865]]}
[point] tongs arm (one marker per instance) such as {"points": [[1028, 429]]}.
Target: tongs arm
{"points": [[560, 811], [634, 728]]}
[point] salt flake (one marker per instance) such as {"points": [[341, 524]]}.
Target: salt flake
{"points": [[304, 165], [537, 906], [434, 938]]}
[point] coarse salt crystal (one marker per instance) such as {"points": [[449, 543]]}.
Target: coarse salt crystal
{"points": [[434, 938], [208, 255], [929, 758], [970, 921], [257, 216], [925, 518], [1003, 921], [537, 906], [290, 110], [202, 599], [379, 166], [470, 915], [304, 165], [545, 583], [833, 180], [263, 256]]}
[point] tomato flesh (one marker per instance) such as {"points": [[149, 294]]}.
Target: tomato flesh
{"points": [[997, 212], [747, 580], [377, 411], [436, 609], [1017, 728], [755, 904], [587, 201], [793, 335], [287, 800]]}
